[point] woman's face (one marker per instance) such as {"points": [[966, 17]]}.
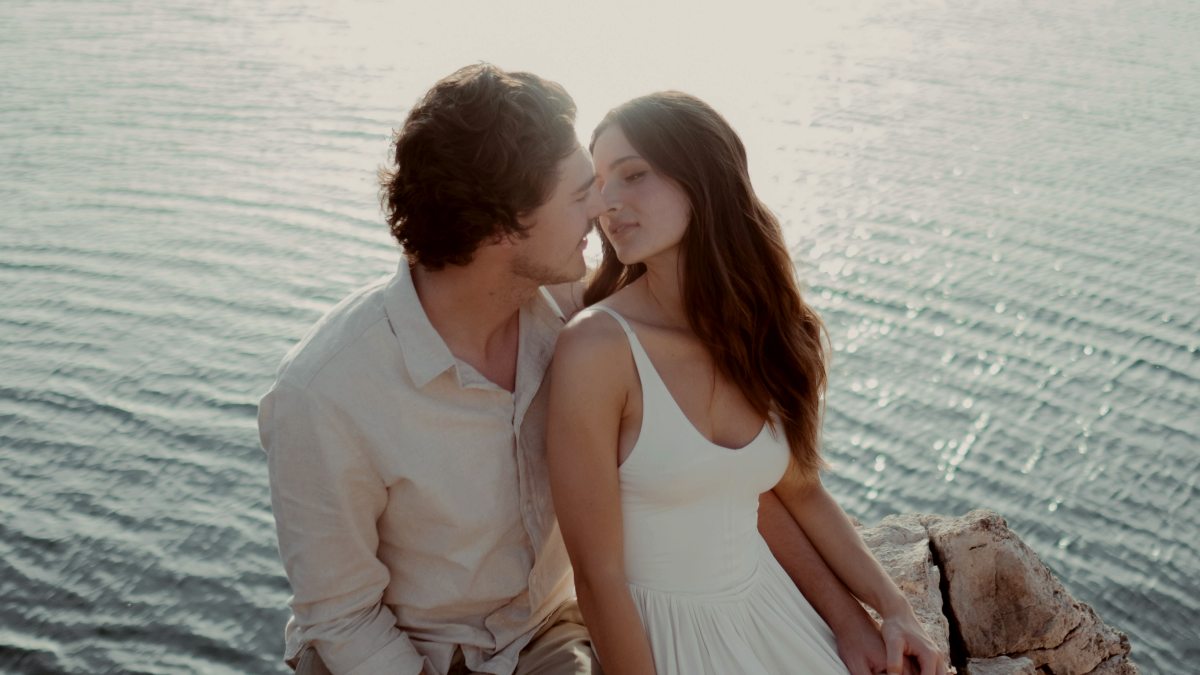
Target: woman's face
{"points": [[646, 213]]}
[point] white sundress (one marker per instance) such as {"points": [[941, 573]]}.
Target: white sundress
{"points": [[712, 597]]}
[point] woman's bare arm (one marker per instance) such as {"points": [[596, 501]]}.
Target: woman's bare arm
{"points": [[840, 545], [587, 399], [858, 640]]}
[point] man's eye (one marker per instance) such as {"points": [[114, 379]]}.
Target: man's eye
{"points": [[594, 187]]}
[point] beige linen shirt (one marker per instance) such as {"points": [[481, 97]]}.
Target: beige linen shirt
{"points": [[410, 493]]}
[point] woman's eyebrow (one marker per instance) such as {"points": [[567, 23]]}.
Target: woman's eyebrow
{"points": [[613, 164]]}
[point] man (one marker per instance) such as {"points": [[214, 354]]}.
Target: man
{"points": [[404, 434]]}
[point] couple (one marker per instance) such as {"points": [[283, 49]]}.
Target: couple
{"points": [[433, 486]]}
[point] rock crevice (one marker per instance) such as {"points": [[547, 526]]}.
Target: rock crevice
{"points": [[958, 649], [989, 602]]}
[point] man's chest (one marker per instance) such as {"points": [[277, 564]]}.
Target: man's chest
{"points": [[469, 462]]}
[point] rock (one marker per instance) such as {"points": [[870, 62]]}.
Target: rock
{"points": [[901, 544], [1116, 665], [1085, 648], [1001, 665], [976, 587], [1004, 599]]}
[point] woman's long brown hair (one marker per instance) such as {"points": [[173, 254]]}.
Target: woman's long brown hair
{"points": [[739, 285]]}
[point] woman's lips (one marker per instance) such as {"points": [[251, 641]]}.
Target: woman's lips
{"points": [[616, 229]]}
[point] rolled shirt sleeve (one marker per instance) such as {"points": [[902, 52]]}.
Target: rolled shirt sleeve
{"points": [[326, 496]]}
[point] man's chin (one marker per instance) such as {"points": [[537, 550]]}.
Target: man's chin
{"points": [[544, 275], [583, 271], [572, 278]]}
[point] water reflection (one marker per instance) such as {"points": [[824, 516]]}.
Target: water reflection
{"points": [[994, 220]]}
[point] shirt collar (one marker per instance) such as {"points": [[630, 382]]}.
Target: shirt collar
{"points": [[425, 352]]}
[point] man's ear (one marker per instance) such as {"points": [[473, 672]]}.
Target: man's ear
{"points": [[506, 238], [526, 220], [503, 240], [502, 237]]}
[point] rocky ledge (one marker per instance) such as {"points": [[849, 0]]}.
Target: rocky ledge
{"points": [[990, 602]]}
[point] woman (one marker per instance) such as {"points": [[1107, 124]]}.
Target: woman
{"points": [[692, 387]]}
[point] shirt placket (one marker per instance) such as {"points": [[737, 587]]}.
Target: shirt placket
{"points": [[526, 493]]}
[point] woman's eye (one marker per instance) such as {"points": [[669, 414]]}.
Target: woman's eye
{"points": [[634, 177]]}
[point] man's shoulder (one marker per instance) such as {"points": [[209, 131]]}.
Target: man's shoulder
{"points": [[338, 337]]}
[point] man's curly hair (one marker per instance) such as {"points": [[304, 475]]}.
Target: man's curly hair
{"points": [[480, 149]]}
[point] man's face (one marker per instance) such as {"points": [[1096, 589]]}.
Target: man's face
{"points": [[552, 251]]}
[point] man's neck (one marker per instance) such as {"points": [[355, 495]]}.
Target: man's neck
{"points": [[475, 309]]}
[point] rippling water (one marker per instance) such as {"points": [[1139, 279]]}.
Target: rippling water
{"points": [[993, 204]]}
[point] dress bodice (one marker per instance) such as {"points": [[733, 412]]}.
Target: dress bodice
{"points": [[690, 506]]}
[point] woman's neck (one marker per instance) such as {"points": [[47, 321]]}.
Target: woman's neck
{"points": [[663, 285]]}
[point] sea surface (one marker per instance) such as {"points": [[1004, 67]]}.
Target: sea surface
{"points": [[995, 204]]}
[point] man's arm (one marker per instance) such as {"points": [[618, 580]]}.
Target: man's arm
{"points": [[326, 497], [859, 642]]}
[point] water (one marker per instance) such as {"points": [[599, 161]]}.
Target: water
{"points": [[992, 203]]}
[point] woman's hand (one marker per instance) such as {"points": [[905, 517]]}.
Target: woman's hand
{"points": [[841, 546], [861, 650], [903, 637]]}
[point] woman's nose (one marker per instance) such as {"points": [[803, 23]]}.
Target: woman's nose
{"points": [[609, 197]]}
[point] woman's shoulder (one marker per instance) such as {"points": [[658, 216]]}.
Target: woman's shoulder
{"points": [[592, 360], [591, 328], [601, 327], [595, 344]]}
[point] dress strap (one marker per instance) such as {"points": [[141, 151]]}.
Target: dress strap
{"points": [[620, 319], [647, 373]]}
